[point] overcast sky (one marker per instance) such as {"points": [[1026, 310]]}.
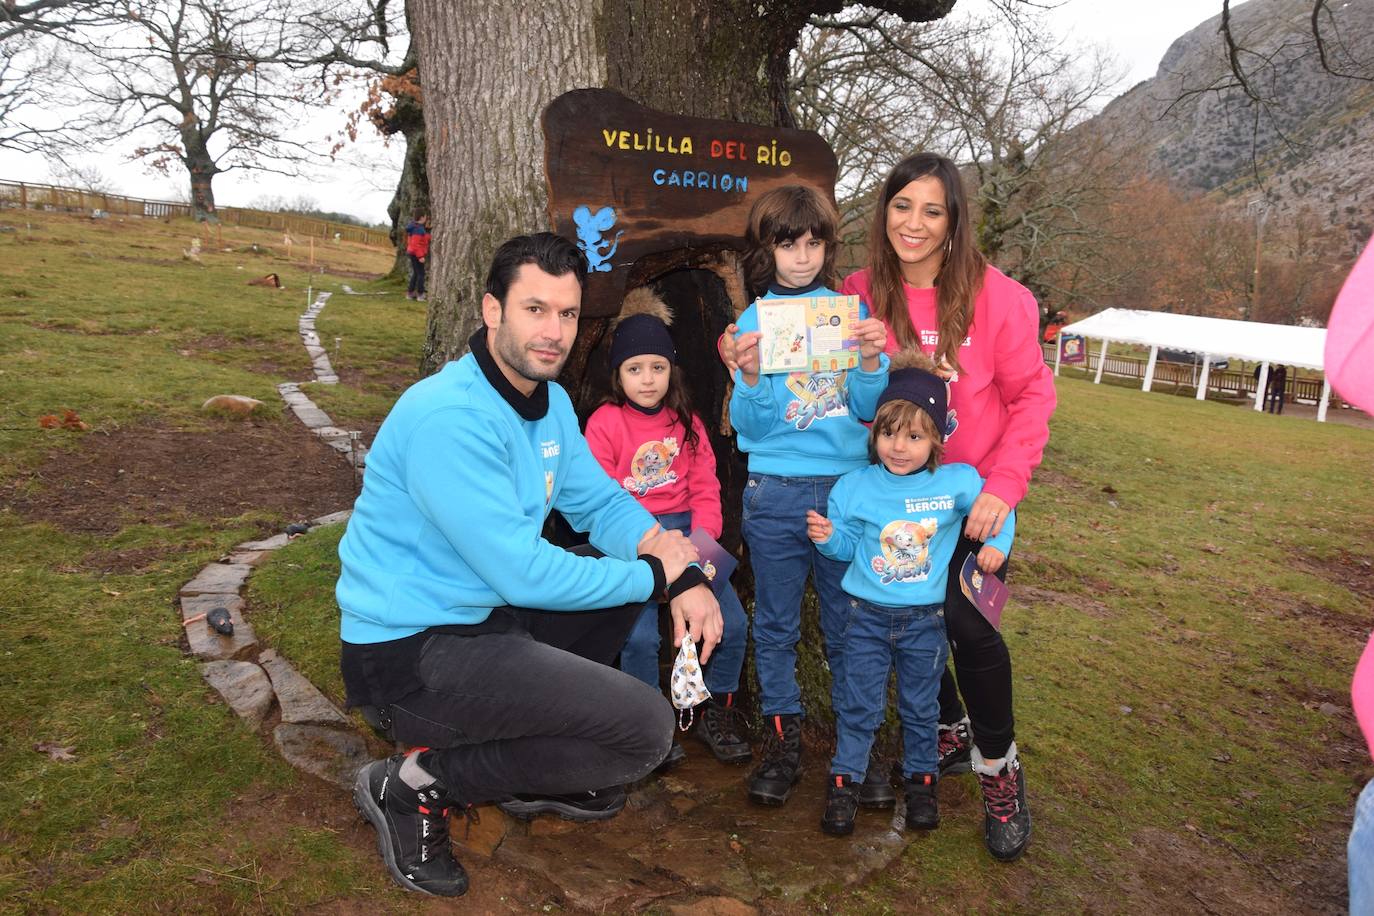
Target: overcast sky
{"points": [[1136, 32]]}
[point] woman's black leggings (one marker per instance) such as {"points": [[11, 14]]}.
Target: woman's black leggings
{"points": [[982, 663]]}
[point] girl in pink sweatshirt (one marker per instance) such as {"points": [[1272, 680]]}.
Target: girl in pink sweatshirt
{"points": [[936, 292], [649, 441]]}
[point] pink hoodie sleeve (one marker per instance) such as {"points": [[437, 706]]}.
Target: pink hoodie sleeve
{"points": [[1362, 694], [1026, 387], [703, 486]]}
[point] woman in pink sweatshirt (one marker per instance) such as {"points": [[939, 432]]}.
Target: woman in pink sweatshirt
{"points": [[936, 292]]}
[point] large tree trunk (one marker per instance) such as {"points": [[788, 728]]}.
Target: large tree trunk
{"points": [[412, 189], [202, 170]]}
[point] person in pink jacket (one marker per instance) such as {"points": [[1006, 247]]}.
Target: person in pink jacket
{"points": [[933, 289], [648, 439]]}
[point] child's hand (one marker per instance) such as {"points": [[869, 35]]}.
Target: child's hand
{"points": [[819, 528], [990, 559], [872, 337], [726, 347], [747, 357]]}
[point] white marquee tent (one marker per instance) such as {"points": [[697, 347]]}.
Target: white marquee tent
{"points": [[1211, 338]]}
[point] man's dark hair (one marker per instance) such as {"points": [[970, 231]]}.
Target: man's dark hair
{"points": [[553, 254]]}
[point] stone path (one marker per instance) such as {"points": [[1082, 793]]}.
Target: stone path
{"points": [[687, 842]]}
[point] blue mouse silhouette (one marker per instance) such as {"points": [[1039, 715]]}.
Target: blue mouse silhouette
{"points": [[589, 239]]}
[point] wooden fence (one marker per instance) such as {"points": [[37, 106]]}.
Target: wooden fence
{"points": [[1185, 375], [26, 196]]}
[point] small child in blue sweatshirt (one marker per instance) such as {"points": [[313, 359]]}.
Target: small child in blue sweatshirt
{"points": [[896, 523]]}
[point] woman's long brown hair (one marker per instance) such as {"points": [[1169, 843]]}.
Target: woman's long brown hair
{"points": [[961, 272]]}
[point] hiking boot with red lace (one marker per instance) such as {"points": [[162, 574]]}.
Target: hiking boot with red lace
{"points": [[412, 828], [721, 729], [1006, 819], [955, 744], [841, 805], [772, 781], [922, 807]]}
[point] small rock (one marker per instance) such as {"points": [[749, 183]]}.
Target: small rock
{"points": [[329, 753], [712, 906], [1329, 709], [485, 835], [244, 686], [1125, 710], [236, 404], [301, 701]]}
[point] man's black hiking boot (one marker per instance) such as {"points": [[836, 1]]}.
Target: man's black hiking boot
{"points": [[876, 791], [722, 730], [954, 748], [841, 804], [772, 780], [601, 805], [922, 807], [1006, 819], [412, 829]]}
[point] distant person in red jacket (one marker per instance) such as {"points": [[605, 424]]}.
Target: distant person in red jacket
{"points": [[417, 248]]}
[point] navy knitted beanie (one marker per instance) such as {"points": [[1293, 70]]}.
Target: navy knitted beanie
{"points": [[639, 335], [924, 389]]}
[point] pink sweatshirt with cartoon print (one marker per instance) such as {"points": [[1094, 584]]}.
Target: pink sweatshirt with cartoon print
{"points": [[1001, 400], [647, 455]]}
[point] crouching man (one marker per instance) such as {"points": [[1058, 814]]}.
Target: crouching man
{"points": [[465, 633]]}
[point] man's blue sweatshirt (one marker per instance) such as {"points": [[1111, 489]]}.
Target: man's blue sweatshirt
{"points": [[897, 532]]}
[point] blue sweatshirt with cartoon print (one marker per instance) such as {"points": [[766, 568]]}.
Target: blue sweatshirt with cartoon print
{"points": [[459, 481], [802, 424], [897, 532]]}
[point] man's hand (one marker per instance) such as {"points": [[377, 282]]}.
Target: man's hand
{"points": [[872, 337], [697, 612], [672, 548], [818, 527], [747, 357], [990, 559], [987, 516]]}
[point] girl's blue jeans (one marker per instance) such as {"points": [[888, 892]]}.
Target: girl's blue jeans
{"points": [[877, 639], [639, 657], [774, 526]]}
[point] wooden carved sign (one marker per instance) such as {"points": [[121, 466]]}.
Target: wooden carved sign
{"points": [[628, 183]]}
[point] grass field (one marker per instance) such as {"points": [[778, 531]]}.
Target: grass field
{"points": [[1191, 589]]}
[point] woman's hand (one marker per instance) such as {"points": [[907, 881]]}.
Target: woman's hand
{"points": [[987, 516], [871, 334]]}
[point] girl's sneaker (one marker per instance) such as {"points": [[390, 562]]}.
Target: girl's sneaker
{"points": [[841, 805], [1006, 819], [922, 807], [955, 745]]}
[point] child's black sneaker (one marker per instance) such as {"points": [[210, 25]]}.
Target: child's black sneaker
{"points": [[772, 781], [876, 790], [722, 730], [601, 805], [412, 828], [955, 747], [922, 807], [1006, 819], [841, 805]]}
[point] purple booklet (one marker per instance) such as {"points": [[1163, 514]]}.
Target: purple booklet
{"points": [[986, 591], [717, 562]]}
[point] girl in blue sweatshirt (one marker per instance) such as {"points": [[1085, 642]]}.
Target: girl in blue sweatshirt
{"points": [[801, 434], [896, 524]]}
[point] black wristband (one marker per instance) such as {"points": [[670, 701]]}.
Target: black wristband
{"points": [[691, 576], [660, 577]]}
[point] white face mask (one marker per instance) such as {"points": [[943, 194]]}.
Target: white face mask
{"points": [[687, 685]]}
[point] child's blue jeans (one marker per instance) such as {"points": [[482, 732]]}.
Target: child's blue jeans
{"points": [[640, 655], [774, 526], [876, 639]]}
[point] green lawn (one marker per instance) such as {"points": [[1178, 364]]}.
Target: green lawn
{"points": [[1189, 585]]}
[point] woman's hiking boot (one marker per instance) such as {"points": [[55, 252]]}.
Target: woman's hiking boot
{"points": [[841, 805], [412, 828], [954, 748], [772, 781], [876, 790], [922, 807], [600, 805], [1006, 819], [722, 730]]}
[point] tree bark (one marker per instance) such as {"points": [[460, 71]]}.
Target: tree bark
{"points": [[412, 189], [201, 167]]}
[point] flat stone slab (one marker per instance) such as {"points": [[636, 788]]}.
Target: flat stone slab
{"points": [[248, 557], [244, 686], [589, 875], [205, 643], [332, 754], [312, 417], [301, 701], [273, 543], [486, 835], [218, 579], [333, 518]]}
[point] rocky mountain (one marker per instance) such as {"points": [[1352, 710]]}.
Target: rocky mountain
{"points": [[1311, 139]]}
